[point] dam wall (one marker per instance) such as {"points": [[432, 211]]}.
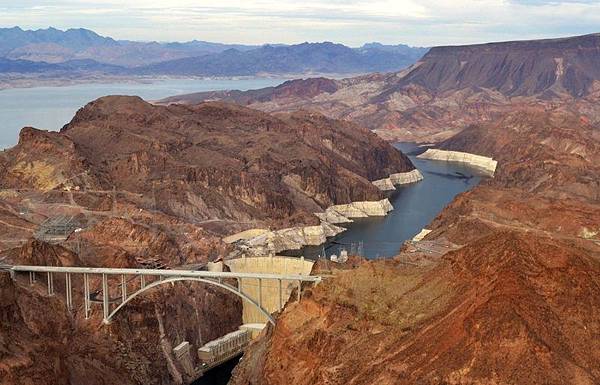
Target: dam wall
{"points": [[484, 163], [270, 290]]}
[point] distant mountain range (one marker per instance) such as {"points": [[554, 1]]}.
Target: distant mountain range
{"points": [[447, 89], [81, 50], [546, 68]]}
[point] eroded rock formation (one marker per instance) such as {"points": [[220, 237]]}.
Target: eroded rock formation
{"points": [[153, 186], [448, 89], [503, 289], [478, 316]]}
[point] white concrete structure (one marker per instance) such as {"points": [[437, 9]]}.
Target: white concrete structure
{"points": [[272, 295], [120, 280], [343, 258], [484, 163], [214, 266]]}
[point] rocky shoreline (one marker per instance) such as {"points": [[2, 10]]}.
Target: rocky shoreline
{"points": [[483, 163], [397, 179], [262, 242]]}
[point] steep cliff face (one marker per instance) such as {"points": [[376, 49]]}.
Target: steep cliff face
{"points": [[520, 68], [508, 305], [509, 309], [43, 161], [218, 160], [449, 88], [42, 343], [550, 154]]}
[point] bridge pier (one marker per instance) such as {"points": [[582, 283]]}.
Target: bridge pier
{"points": [[123, 288], [280, 296], [50, 284], [260, 292], [69, 291], [86, 295], [105, 303]]}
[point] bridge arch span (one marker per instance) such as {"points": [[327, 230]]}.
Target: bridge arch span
{"points": [[222, 285]]}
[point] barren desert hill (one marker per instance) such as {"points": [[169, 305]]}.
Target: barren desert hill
{"points": [[206, 161], [448, 89], [510, 299]]}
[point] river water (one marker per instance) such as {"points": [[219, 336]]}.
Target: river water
{"points": [[415, 206], [50, 108]]}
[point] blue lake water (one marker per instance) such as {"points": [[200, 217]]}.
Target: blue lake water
{"points": [[415, 206], [50, 108]]}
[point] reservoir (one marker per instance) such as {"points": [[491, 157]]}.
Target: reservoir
{"points": [[50, 108], [415, 206]]}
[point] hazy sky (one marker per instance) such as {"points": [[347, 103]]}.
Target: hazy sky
{"points": [[352, 22]]}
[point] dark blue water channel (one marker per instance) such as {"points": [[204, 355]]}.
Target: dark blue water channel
{"points": [[415, 206]]}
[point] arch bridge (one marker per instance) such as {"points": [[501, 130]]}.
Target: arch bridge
{"points": [[131, 283]]}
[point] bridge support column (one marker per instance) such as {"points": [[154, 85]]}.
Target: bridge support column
{"points": [[50, 284], [260, 292], [69, 292], [142, 281], [86, 295], [105, 303], [123, 288], [299, 289], [31, 277], [280, 295]]}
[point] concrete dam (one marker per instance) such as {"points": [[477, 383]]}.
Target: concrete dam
{"points": [[268, 293]]}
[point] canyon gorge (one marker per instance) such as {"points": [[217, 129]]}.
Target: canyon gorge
{"points": [[503, 287]]}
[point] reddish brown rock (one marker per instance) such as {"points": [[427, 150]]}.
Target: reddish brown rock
{"points": [[42, 343], [509, 308], [448, 89]]}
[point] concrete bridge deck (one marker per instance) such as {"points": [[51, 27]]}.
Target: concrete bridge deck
{"points": [[150, 278], [266, 292]]}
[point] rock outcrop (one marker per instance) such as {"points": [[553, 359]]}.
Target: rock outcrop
{"points": [[398, 179], [449, 88], [510, 308], [208, 161], [484, 163], [502, 290]]}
